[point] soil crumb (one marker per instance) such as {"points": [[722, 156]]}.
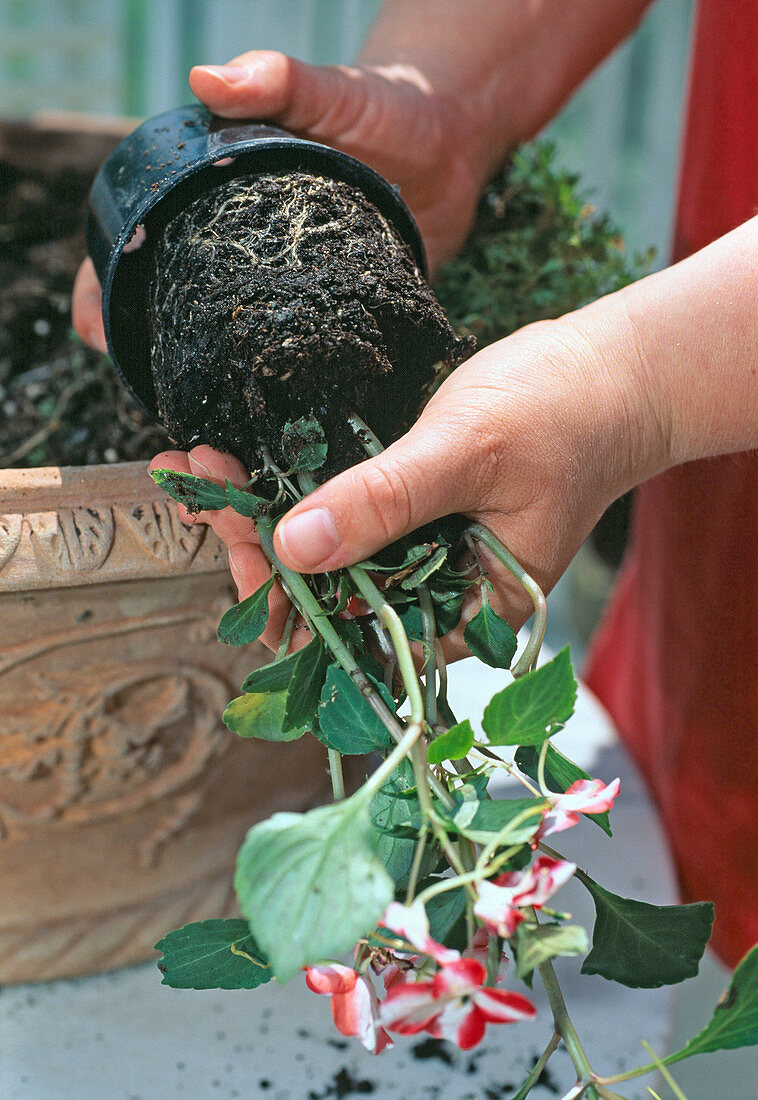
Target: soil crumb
{"points": [[280, 296]]}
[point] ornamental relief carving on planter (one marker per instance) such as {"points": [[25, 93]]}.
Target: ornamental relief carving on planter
{"points": [[10, 535], [80, 545], [78, 539], [108, 741], [160, 532]]}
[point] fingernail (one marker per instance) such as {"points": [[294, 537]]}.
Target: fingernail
{"points": [[310, 538], [234, 568], [199, 469], [230, 74]]}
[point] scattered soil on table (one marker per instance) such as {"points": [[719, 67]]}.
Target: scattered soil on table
{"points": [[60, 402], [288, 295]]}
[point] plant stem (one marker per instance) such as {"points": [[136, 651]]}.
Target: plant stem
{"points": [[538, 1067], [528, 658], [270, 466], [445, 711], [289, 626], [370, 443], [387, 767], [541, 767], [418, 856], [494, 952], [563, 1022], [390, 620], [430, 651], [373, 447], [664, 1073], [309, 608], [335, 774], [492, 846], [442, 672]]}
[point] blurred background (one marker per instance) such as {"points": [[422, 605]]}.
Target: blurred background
{"points": [[132, 57], [620, 132]]}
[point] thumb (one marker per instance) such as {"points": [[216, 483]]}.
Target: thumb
{"points": [[416, 480], [322, 100]]}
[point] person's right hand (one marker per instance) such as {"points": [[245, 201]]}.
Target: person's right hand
{"points": [[532, 437], [390, 117]]}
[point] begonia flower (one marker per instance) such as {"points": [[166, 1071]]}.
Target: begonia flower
{"points": [[355, 1005], [454, 1005], [501, 902], [586, 796]]}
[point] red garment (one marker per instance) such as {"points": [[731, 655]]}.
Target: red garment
{"points": [[676, 658]]}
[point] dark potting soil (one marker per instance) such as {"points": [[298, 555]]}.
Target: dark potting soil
{"points": [[60, 402], [286, 295]]}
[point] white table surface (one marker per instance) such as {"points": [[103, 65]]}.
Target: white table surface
{"points": [[124, 1036]]}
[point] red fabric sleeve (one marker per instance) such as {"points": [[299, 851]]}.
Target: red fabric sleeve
{"points": [[676, 658]]}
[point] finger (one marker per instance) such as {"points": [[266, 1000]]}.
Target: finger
{"points": [[171, 460], [325, 100], [250, 569], [426, 474], [203, 461], [218, 466], [86, 307]]}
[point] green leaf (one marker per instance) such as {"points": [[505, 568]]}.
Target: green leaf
{"points": [[452, 745], [447, 610], [493, 816], [414, 554], [305, 686], [304, 444], [535, 944], [410, 617], [388, 812], [447, 918], [560, 773], [418, 576], [489, 637], [346, 590], [533, 707], [246, 621], [310, 884], [735, 1019], [349, 631], [645, 946], [245, 503], [197, 494], [213, 954], [273, 677], [447, 614], [260, 715], [346, 721]]}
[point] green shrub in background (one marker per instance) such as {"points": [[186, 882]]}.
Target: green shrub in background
{"points": [[537, 250]]}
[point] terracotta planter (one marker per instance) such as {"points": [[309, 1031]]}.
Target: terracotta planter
{"points": [[123, 798]]}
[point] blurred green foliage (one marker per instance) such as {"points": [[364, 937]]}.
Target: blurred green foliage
{"points": [[537, 250]]}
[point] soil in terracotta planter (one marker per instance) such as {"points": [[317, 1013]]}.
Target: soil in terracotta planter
{"points": [[60, 402], [288, 295]]}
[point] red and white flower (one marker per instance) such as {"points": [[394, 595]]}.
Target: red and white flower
{"points": [[355, 1005], [412, 923], [500, 903], [454, 1005], [586, 796]]}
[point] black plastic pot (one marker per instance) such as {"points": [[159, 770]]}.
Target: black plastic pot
{"points": [[164, 165]]}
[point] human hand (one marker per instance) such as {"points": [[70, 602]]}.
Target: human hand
{"points": [[389, 117], [533, 437]]}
